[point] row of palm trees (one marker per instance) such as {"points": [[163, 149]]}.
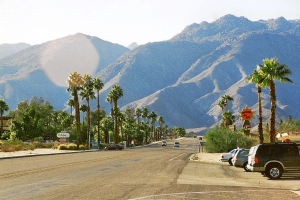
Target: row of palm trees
{"points": [[264, 76], [86, 86]]}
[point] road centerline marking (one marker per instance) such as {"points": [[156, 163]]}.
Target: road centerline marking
{"points": [[176, 157]]}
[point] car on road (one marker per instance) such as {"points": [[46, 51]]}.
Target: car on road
{"points": [[176, 144], [114, 147], [274, 159], [227, 157], [240, 159], [164, 143]]}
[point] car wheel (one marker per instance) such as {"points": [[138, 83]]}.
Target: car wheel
{"points": [[246, 168], [230, 162], [274, 172]]}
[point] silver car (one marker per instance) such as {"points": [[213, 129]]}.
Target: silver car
{"points": [[240, 159]]}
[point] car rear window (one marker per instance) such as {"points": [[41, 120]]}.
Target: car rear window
{"points": [[244, 152]]}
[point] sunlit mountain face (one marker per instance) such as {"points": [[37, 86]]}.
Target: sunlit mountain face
{"points": [[181, 79]]}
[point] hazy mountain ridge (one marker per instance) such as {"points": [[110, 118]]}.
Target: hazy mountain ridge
{"points": [[10, 49]]}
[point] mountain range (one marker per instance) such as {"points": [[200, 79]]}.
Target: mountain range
{"points": [[181, 79]]}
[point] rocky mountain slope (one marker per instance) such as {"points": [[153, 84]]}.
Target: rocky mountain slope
{"points": [[43, 70], [181, 79]]}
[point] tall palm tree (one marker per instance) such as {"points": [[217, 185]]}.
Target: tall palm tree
{"points": [[144, 116], [83, 109], [222, 104], [113, 96], [153, 116], [3, 107], [55, 119], [138, 113], [257, 79], [161, 122], [98, 85], [87, 93], [226, 98], [270, 72], [75, 82], [71, 104]]}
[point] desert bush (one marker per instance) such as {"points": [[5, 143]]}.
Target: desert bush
{"points": [[47, 145], [72, 146], [220, 139], [62, 147]]}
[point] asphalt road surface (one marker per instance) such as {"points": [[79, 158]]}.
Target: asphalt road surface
{"points": [[150, 172]]}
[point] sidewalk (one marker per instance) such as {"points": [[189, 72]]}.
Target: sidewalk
{"points": [[38, 152]]}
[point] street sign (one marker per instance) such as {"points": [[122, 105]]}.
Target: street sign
{"points": [[246, 114], [63, 135]]}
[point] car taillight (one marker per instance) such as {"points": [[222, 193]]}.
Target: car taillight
{"points": [[255, 160], [222, 156], [236, 159]]}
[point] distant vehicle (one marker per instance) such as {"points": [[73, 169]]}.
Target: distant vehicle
{"points": [[274, 159], [164, 143], [114, 147], [240, 159], [176, 144], [227, 157]]}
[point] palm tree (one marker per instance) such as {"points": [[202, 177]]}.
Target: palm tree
{"points": [[98, 85], [74, 84], [144, 116], [138, 113], [270, 72], [228, 118], [113, 96], [87, 93], [222, 104], [161, 122], [257, 79], [227, 98], [83, 109], [71, 104], [55, 119], [153, 116], [3, 107]]}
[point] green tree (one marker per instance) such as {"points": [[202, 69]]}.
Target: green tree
{"points": [[226, 98], [3, 107], [153, 116], [228, 118], [83, 109], [106, 125], [138, 114], [98, 85], [87, 93], [75, 82], [272, 71], [145, 116], [161, 122], [257, 79], [113, 96], [71, 104]]}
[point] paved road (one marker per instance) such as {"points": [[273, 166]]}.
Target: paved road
{"points": [[153, 172]]}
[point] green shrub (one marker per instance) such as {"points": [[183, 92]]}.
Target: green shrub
{"points": [[31, 146], [221, 139], [102, 146], [47, 145], [81, 147], [37, 144], [72, 146]]}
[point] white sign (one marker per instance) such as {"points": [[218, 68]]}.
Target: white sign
{"points": [[63, 135]]}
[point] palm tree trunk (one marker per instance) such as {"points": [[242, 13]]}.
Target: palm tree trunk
{"points": [[98, 117], [260, 128], [116, 140], [88, 122], [1, 123], [273, 111], [77, 117]]}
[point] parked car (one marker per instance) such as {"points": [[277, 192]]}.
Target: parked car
{"points": [[114, 147], [164, 143], [227, 157], [176, 144], [274, 159], [240, 159]]}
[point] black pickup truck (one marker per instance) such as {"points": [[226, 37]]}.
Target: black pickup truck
{"points": [[274, 159]]}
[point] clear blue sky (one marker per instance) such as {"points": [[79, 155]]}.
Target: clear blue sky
{"points": [[125, 21]]}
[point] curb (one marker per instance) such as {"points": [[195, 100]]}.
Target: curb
{"points": [[48, 154]]}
